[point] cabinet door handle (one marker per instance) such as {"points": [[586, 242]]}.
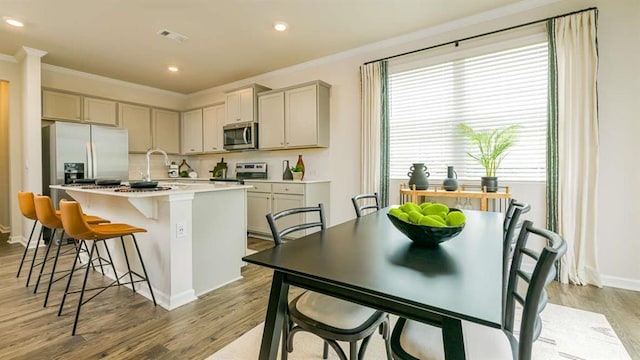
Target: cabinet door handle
{"points": [[193, 149]]}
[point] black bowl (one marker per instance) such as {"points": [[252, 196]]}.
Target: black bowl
{"points": [[425, 235]]}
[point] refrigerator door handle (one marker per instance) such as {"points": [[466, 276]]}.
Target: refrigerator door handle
{"points": [[95, 160], [89, 161]]}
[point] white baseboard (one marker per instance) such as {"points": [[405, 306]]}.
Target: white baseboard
{"points": [[4, 229], [607, 280], [621, 283], [17, 239], [162, 299]]}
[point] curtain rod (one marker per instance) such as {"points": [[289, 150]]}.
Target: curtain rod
{"points": [[455, 42]]}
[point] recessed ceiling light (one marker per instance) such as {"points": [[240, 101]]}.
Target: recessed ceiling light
{"points": [[280, 26], [13, 22], [173, 68]]}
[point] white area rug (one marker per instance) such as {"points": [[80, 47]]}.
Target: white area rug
{"points": [[567, 333]]}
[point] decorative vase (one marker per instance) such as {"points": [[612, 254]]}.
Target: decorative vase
{"points": [[418, 176], [286, 174], [301, 164], [451, 182], [490, 183]]}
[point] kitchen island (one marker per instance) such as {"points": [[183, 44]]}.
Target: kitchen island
{"points": [[197, 234]]}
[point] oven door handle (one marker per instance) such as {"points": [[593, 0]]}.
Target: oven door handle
{"points": [[244, 135]]}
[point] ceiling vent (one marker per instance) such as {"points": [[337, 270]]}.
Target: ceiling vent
{"points": [[172, 35]]}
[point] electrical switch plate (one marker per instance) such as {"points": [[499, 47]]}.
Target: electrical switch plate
{"points": [[180, 229]]}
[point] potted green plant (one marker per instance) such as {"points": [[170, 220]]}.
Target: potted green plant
{"points": [[492, 149], [296, 171]]}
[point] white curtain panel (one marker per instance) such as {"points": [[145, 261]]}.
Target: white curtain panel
{"points": [[577, 69], [371, 108]]}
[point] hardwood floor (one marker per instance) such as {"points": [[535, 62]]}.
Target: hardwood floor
{"points": [[121, 325]]}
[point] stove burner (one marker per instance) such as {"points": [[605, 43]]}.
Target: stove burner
{"points": [[101, 186], [85, 186]]}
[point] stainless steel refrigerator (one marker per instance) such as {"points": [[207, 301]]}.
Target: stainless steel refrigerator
{"points": [[90, 152]]}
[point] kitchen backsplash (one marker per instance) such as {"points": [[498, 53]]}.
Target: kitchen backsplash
{"points": [[315, 160], [138, 165]]}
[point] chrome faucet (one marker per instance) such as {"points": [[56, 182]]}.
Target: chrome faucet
{"points": [[147, 177]]}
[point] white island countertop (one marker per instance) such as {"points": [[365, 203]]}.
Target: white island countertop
{"points": [[171, 189]]}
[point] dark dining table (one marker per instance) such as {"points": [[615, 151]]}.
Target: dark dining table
{"points": [[369, 262]]}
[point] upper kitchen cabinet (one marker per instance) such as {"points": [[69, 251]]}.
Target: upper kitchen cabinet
{"points": [[192, 132], [213, 119], [100, 111], [271, 112], [295, 117], [202, 130], [241, 105], [61, 106], [166, 130], [74, 107], [136, 119]]}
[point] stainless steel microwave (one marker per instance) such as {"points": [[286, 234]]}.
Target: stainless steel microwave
{"points": [[240, 136]]}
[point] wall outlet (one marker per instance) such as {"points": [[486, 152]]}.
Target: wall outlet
{"points": [[180, 229]]}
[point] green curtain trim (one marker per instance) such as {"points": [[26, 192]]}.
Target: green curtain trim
{"points": [[384, 135]]}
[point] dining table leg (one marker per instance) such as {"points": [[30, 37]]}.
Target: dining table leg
{"points": [[275, 317], [452, 339]]}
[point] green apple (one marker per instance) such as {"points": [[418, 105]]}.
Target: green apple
{"points": [[456, 218], [430, 221]]}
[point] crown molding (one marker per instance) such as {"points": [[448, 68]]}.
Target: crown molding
{"points": [[8, 58], [81, 74], [25, 51]]}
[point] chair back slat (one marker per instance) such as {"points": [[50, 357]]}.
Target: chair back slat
{"points": [[535, 299], [531, 253], [364, 202], [278, 234]]}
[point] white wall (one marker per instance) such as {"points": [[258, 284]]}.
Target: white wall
{"points": [[619, 106], [619, 99]]}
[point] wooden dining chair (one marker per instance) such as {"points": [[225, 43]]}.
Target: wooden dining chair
{"points": [[327, 317], [414, 340], [365, 202]]}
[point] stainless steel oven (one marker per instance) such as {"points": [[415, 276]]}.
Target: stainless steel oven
{"points": [[241, 136]]}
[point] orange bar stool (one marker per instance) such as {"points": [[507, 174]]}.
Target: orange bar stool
{"points": [[76, 226], [28, 210], [50, 218]]}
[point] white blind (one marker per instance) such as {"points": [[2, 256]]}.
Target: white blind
{"points": [[485, 92]]}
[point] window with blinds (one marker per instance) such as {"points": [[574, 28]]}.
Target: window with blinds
{"points": [[485, 92]]}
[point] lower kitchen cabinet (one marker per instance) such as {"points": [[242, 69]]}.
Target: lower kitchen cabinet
{"points": [[258, 206], [272, 197]]}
